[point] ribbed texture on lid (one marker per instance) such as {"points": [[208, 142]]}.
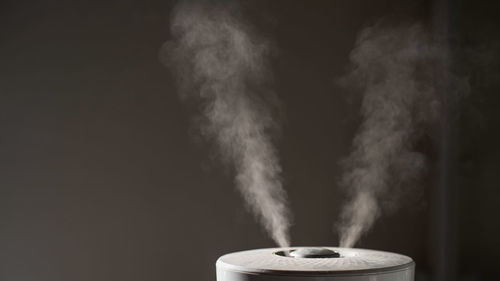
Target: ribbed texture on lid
{"points": [[265, 260]]}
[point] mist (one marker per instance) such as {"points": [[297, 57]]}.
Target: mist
{"points": [[221, 63], [394, 69]]}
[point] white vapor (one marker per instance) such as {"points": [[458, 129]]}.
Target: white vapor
{"points": [[221, 62], [394, 69]]}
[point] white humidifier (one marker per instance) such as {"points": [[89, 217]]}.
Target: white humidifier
{"points": [[314, 264]]}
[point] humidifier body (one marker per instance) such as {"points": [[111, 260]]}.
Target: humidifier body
{"points": [[318, 264]]}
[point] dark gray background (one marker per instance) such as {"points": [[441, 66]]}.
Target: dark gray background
{"points": [[102, 179]]}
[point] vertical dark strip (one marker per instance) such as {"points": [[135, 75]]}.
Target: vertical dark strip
{"points": [[444, 224]]}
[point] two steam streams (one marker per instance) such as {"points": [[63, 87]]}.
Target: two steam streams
{"points": [[220, 61]]}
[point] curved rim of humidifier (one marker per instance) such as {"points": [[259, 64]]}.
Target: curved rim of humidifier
{"points": [[350, 261]]}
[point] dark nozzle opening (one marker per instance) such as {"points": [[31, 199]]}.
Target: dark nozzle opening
{"points": [[309, 253]]}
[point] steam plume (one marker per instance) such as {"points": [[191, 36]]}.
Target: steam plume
{"points": [[222, 63], [394, 69]]}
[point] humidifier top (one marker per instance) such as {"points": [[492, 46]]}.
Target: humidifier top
{"points": [[310, 252], [317, 260]]}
